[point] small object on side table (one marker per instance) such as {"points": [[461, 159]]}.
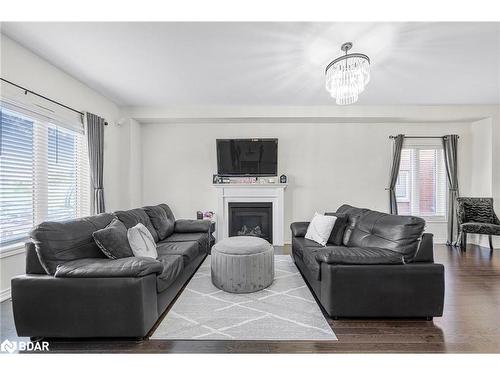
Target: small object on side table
{"points": [[210, 216]]}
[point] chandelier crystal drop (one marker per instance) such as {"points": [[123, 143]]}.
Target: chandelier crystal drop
{"points": [[347, 76]]}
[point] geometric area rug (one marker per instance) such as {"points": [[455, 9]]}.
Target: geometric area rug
{"points": [[285, 310]]}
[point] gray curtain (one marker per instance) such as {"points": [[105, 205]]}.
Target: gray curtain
{"points": [[450, 143], [396, 159], [95, 139]]}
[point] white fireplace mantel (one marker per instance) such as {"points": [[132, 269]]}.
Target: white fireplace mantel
{"points": [[273, 193]]}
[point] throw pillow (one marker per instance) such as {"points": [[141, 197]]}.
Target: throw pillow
{"points": [[319, 228], [113, 241], [337, 235], [142, 242]]}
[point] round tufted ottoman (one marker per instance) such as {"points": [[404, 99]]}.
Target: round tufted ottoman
{"points": [[242, 264]]}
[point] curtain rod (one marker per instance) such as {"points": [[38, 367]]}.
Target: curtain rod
{"points": [[424, 136], [44, 97]]}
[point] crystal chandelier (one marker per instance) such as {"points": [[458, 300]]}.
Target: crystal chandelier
{"points": [[347, 76]]}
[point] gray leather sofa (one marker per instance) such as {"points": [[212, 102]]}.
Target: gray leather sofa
{"points": [[380, 265], [71, 289]]}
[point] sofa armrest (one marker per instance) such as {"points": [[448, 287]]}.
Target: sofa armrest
{"points": [[48, 306], [192, 226], [299, 228], [123, 267], [382, 291], [425, 250]]}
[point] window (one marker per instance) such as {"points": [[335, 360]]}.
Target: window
{"points": [[403, 186], [421, 185], [44, 174]]}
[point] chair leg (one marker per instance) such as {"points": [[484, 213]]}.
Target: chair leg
{"points": [[491, 242], [463, 242]]}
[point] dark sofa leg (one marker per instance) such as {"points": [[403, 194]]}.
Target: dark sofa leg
{"points": [[491, 242], [463, 242]]}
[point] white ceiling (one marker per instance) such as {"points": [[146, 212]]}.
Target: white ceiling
{"points": [[203, 64]]}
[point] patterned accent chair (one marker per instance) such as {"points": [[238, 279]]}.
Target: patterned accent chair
{"points": [[476, 215]]}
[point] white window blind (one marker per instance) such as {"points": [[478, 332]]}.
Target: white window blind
{"points": [[421, 185], [44, 174]]}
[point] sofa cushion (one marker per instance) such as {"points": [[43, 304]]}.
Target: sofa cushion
{"points": [[337, 234], [358, 255], [169, 212], [163, 225], [59, 242], [392, 232], [113, 241], [353, 214], [313, 257], [188, 249], [135, 216], [172, 268], [124, 267], [301, 244]]}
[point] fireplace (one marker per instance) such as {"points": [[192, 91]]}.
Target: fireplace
{"points": [[251, 219]]}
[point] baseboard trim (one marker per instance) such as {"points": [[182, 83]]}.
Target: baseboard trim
{"points": [[5, 295], [439, 241]]}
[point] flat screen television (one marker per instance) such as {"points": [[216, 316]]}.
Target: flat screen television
{"points": [[247, 157]]}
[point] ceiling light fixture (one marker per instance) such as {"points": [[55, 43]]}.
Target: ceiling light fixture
{"points": [[347, 76]]}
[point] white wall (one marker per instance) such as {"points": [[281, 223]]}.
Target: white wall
{"points": [[24, 68], [482, 169], [327, 164], [135, 164], [495, 136]]}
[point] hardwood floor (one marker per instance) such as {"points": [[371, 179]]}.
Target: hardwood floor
{"points": [[470, 323]]}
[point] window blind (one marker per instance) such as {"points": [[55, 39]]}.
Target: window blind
{"points": [[16, 177], [421, 185], [44, 174]]}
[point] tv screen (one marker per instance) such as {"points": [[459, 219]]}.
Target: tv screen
{"points": [[247, 157]]}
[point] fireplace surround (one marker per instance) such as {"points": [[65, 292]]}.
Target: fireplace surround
{"points": [[272, 194]]}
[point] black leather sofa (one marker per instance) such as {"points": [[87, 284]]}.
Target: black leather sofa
{"points": [[381, 266], [72, 290]]}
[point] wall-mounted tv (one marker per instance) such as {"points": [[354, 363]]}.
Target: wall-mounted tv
{"points": [[247, 157]]}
